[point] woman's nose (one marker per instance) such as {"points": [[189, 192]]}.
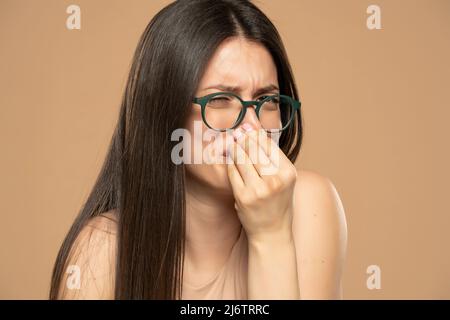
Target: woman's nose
{"points": [[251, 118]]}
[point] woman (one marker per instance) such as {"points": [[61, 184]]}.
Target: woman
{"points": [[155, 228]]}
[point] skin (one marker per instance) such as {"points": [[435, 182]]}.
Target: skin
{"points": [[294, 219]]}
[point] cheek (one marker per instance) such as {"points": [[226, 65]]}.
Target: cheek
{"points": [[211, 175], [203, 143]]}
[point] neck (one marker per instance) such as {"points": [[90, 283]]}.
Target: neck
{"points": [[212, 226]]}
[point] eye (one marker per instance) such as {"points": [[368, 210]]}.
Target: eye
{"points": [[219, 99], [275, 97], [262, 97]]}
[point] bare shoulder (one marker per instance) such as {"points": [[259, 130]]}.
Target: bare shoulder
{"points": [[320, 233], [313, 190], [308, 180], [90, 268], [105, 222]]}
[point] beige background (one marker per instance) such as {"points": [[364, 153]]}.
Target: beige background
{"points": [[376, 108]]}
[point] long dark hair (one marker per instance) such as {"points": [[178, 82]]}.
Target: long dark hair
{"points": [[138, 178]]}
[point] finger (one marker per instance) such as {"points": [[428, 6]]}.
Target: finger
{"points": [[243, 163], [256, 154], [234, 176], [270, 148]]}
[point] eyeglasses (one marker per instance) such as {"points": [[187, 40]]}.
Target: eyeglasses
{"points": [[222, 111]]}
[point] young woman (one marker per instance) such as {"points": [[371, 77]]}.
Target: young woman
{"points": [[155, 228]]}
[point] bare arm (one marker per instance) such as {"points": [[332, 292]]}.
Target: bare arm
{"points": [[272, 268], [308, 262], [320, 234]]}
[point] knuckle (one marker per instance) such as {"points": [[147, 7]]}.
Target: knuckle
{"points": [[263, 193], [274, 183], [247, 198], [291, 174]]}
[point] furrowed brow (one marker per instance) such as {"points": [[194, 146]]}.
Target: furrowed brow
{"points": [[238, 90]]}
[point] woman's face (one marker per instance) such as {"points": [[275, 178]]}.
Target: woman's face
{"points": [[236, 63]]}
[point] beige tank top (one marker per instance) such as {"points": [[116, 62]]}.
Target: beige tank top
{"points": [[230, 283]]}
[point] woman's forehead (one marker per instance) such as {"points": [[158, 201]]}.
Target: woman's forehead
{"points": [[240, 63]]}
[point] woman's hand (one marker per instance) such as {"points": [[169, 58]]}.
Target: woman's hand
{"points": [[263, 181]]}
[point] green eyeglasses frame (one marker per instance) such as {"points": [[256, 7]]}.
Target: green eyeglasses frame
{"points": [[202, 101]]}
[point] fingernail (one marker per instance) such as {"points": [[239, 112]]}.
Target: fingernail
{"points": [[247, 127], [227, 151], [237, 134]]}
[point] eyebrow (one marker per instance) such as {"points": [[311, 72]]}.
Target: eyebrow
{"points": [[237, 89]]}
